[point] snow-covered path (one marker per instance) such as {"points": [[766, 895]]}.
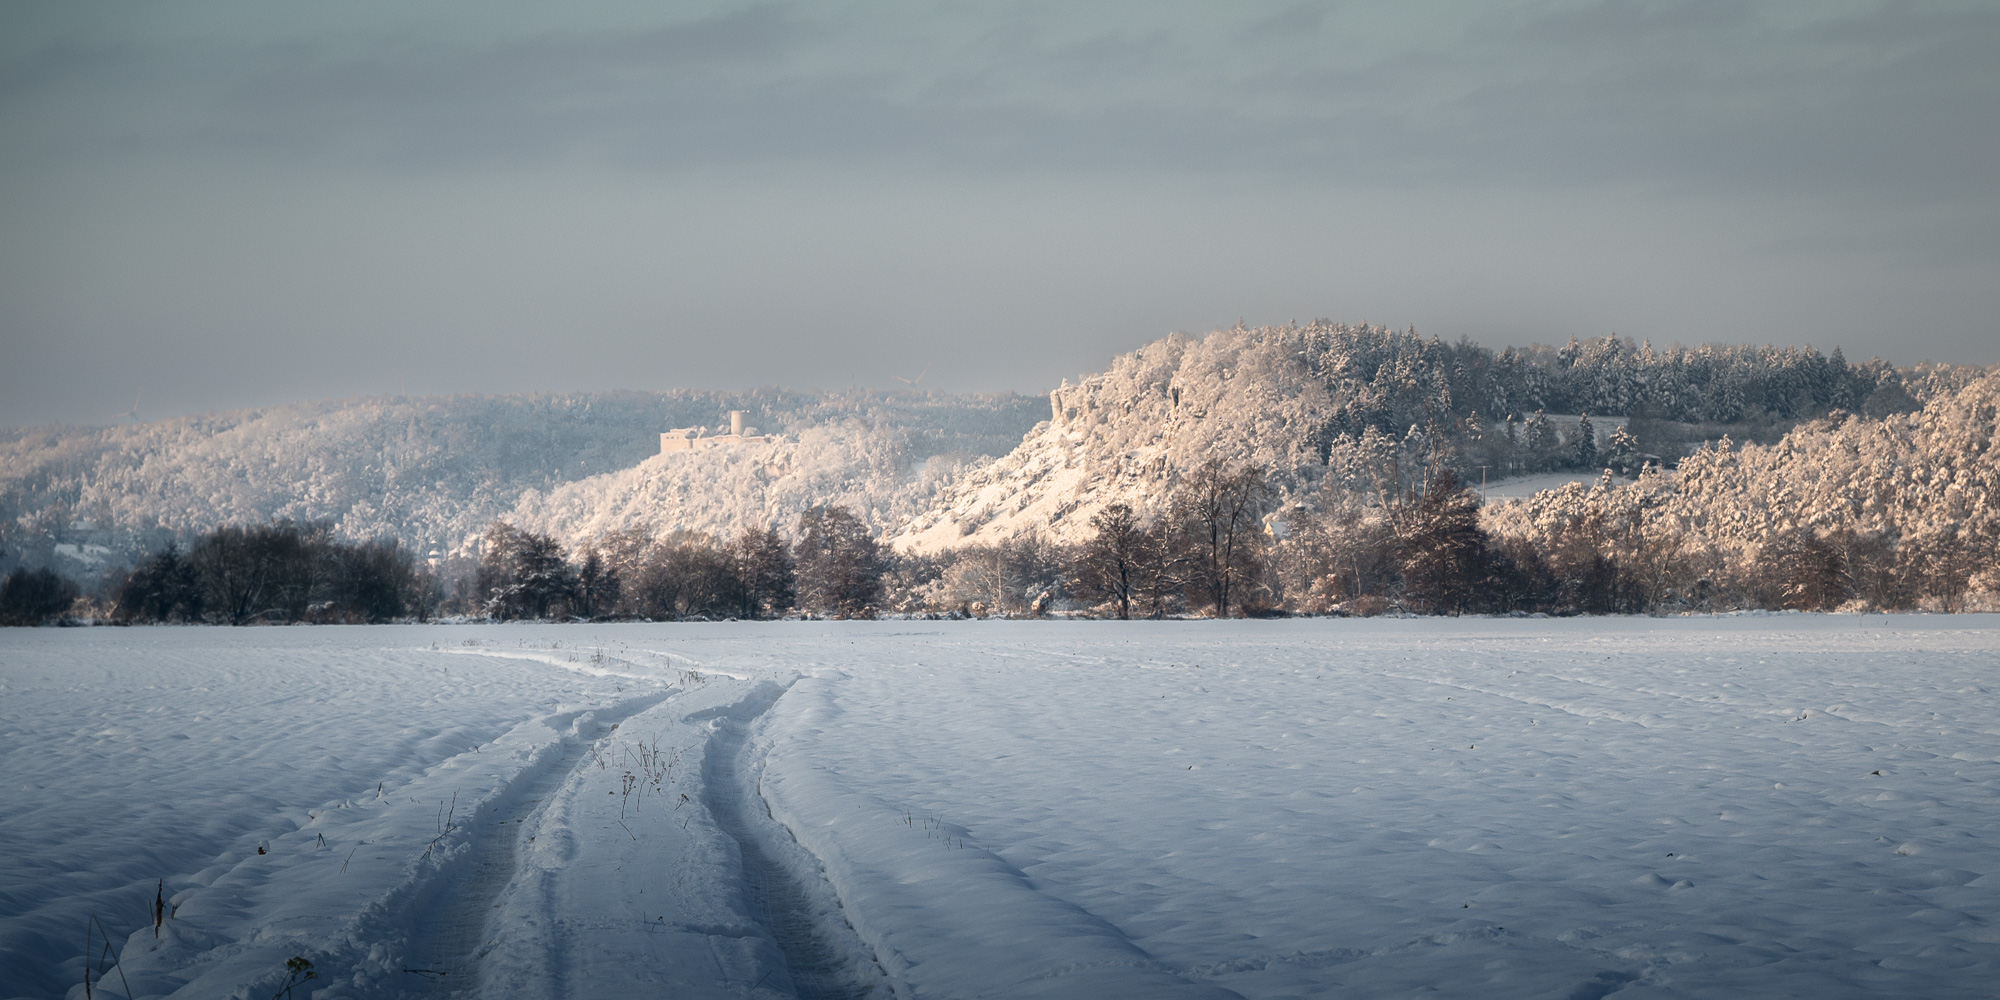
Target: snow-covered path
{"points": [[449, 933], [1771, 806], [788, 895], [133, 755]]}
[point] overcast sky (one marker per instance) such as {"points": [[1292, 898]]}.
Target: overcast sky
{"points": [[208, 206]]}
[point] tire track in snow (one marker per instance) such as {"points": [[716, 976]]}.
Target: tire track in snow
{"points": [[794, 903], [452, 930]]}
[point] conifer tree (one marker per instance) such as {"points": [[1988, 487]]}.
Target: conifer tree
{"points": [[840, 564], [1583, 445]]}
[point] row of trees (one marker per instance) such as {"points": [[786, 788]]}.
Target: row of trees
{"points": [[1421, 545], [276, 573], [834, 567], [1603, 549], [1209, 554], [35, 597]]}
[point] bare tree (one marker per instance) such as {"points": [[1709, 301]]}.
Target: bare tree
{"points": [[268, 572], [1113, 563], [1221, 512], [688, 576], [236, 582], [1163, 569]]}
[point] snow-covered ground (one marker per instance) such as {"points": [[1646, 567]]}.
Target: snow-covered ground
{"points": [[1753, 806], [1523, 487]]}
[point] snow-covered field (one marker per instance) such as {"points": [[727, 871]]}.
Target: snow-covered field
{"points": [[1523, 487], [1753, 806]]}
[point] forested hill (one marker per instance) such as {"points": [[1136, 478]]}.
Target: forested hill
{"points": [[1898, 512], [1307, 403], [1391, 380], [429, 472]]}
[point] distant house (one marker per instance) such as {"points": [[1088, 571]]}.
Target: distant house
{"points": [[690, 438]]}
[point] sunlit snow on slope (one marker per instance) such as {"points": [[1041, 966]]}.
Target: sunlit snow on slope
{"points": [[1754, 806]]}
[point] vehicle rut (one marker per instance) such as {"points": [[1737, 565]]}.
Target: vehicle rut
{"points": [[825, 958], [444, 955]]}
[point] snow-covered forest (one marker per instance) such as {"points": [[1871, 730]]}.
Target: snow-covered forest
{"points": [[1902, 511], [431, 473], [1874, 485], [1318, 468], [1323, 403]]}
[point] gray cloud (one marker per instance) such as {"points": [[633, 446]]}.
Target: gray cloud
{"points": [[1025, 188], [1888, 99]]}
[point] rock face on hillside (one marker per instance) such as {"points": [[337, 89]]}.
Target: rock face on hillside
{"points": [[1128, 434], [1358, 406]]}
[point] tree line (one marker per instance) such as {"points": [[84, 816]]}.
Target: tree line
{"points": [[1212, 549], [35, 596], [1420, 544], [1407, 379], [1495, 408], [277, 573], [833, 566]]}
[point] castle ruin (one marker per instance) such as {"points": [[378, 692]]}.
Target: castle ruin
{"points": [[690, 438]]}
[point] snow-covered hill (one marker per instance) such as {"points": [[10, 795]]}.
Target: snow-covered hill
{"points": [[432, 472], [1898, 512], [881, 472], [1125, 436], [1309, 405], [1329, 404]]}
